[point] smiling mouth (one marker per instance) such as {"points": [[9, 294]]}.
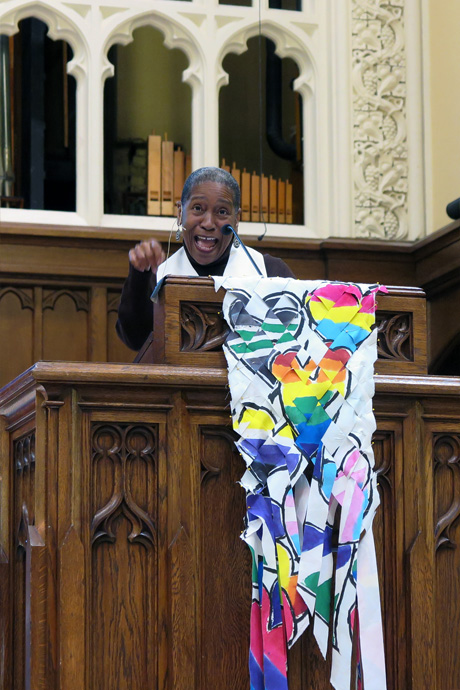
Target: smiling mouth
{"points": [[205, 243]]}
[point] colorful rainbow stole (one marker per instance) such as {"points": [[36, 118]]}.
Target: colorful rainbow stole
{"points": [[300, 358]]}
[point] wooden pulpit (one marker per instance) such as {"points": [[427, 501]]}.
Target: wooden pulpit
{"points": [[121, 564]]}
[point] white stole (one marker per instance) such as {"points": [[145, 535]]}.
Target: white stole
{"points": [[238, 264]]}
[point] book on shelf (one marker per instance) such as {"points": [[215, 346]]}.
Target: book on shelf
{"points": [[245, 195], [167, 171], [154, 175], [255, 198], [281, 201], [179, 175]]}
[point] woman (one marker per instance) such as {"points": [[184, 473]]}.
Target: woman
{"points": [[210, 199]]}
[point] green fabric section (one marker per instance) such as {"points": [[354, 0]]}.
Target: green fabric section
{"points": [[286, 338], [295, 415], [260, 345], [311, 582], [273, 327], [326, 397], [318, 416], [240, 348], [306, 405], [255, 576], [246, 335], [323, 600]]}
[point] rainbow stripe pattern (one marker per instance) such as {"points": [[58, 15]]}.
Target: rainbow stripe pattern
{"points": [[300, 358]]}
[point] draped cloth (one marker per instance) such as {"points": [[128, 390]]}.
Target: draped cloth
{"points": [[238, 264], [300, 358]]}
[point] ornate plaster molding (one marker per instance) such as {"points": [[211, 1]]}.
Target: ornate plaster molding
{"points": [[60, 27], [176, 36], [380, 149]]}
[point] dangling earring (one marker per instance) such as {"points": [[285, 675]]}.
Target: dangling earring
{"points": [[179, 225], [236, 242]]}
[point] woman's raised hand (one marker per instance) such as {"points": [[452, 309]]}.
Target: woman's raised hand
{"points": [[147, 256]]}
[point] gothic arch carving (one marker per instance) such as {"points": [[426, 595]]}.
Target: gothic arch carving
{"points": [[176, 35], [81, 303], [60, 28], [26, 300], [288, 45]]}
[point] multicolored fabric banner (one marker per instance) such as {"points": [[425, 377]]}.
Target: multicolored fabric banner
{"points": [[300, 360]]}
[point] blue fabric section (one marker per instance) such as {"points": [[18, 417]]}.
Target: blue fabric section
{"points": [[327, 546], [312, 434], [329, 475], [312, 537], [275, 607], [277, 515], [318, 466], [295, 540], [256, 674], [261, 507], [343, 555], [274, 679], [350, 339], [272, 455]]}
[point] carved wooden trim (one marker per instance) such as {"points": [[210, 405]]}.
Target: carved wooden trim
{"points": [[113, 300], [202, 327], [27, 301], [81, 302], [24, 452], [446, 456], [22, 533], [209, 471], [384, 460], [395, 336], [24, 464], [123, 445]]}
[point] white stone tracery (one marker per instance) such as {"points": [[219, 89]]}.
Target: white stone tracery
{"points": [[380, 122], [352, 77]]}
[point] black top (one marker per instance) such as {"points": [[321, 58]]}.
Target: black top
{"points": [[135, 313]]}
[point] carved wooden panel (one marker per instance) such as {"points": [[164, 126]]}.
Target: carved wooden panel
{"points": [[227, 580], [202, 327], [446, 469], [225, 565], [65, 325], [16, 331], [386, 545], [24, 516], [116, 350], [395, 336], [124, 508]]}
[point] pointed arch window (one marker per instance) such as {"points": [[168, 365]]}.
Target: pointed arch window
{"points": [[38, 120], [145, 97]]}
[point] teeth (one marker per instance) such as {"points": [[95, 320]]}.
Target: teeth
{"points": [[206, 239]]}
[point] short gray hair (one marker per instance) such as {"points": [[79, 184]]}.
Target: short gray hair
{"points": [[211, 175]]}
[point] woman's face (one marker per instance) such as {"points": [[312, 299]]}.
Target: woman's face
{"points": [[209, 207]]}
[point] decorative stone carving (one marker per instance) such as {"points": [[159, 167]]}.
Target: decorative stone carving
{"points": [[379, 114], [117, 450]]}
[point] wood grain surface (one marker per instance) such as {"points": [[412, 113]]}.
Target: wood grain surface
{"points": [[121, 515]]}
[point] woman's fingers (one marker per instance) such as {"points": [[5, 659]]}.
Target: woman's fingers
{"points": [[147, 255]]}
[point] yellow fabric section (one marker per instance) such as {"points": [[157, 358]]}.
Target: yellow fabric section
{"points": [[257, 419], [342, 315]]}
